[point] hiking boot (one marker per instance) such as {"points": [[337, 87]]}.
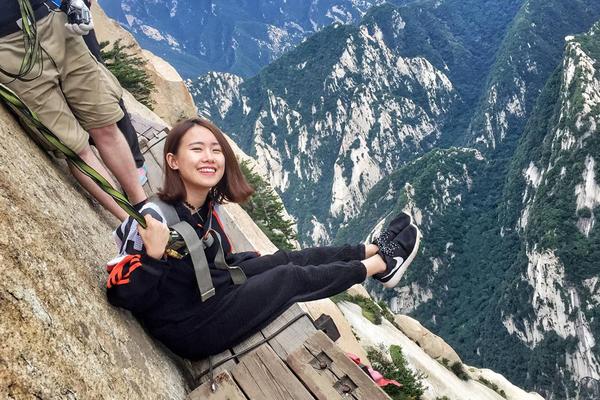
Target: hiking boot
{"points": [[401, 221], [398, 254]]}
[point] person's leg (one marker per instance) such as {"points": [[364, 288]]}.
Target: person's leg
{"points": [[124, 123], [105, 200], [247, 308], [116, 155], [91, 41], [309, 256], [93, 94], [126, 127], [370, 250]]}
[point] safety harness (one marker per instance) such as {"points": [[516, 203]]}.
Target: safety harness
{"points": [[196, 245], [33, 50]]}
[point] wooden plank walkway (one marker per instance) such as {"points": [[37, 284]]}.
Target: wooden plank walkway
{"points": [[329, 373], [299, 363], [151, 138], [287, 341]]}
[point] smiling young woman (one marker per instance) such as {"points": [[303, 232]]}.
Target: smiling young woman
{"points": [[196, 143], [201, 172]]}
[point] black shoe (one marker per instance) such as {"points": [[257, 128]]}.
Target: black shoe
{"points": [[398, 254], [401, 221]]}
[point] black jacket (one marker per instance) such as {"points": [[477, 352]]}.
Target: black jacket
{"points": [[165, 292]]}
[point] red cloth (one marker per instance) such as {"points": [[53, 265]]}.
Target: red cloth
{"points": [[379, 379]]}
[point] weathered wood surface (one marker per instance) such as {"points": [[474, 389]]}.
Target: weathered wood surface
{"points": [[200, 368], [263, 375], [151, 138], [293, 336], [226, 389], [246, 344], [287, 341], [316, 369], [329, 373]]}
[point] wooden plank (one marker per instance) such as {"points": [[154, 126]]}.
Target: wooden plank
{"points": [[200, 368], [319, 382], [263, 375], [293, 336], [252, 340], [342, 366], [226, 389], [336, 372], [155, 145], [285, 342]]}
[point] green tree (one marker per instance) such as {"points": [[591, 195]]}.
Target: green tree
{"points": [[267, 211], [129, 70], [397, 369]]}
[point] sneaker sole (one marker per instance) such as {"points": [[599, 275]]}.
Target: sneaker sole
{"points": [[395, 279]]}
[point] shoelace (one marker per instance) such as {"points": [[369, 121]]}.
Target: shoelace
{"points": [[390, 248]]}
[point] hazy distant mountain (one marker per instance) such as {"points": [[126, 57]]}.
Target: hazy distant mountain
{"points": [[238, 36]]}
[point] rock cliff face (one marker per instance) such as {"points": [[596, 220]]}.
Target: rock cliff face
{"points": [[63, 340], [334, 116], [60, 337], [552, 203]]}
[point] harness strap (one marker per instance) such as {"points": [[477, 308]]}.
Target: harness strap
{"points": [[237, 274], [167, 209], [196, 248]]}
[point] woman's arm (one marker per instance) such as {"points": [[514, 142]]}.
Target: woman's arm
{"points": [[155, 237], [135, 280]]}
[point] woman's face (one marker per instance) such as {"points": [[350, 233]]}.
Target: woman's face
{"points": [[199, 159]]}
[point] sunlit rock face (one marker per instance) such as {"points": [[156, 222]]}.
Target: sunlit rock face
{"points": [[170, 98], [61, 338]]}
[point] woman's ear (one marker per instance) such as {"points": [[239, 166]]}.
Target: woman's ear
{"points": [[172, 161]]}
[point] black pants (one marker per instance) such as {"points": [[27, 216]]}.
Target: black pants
{"points": [[124, 123], [275, 282]]}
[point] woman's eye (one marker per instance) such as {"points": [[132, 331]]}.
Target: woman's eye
{"points": [[196, 148], [217, 150]]}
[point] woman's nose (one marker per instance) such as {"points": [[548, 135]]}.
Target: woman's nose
{"points": [[207, 155]]}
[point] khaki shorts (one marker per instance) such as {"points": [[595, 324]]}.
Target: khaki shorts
{"points": [[74, 92]]}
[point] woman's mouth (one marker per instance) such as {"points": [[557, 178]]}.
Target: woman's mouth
{"points": [[207, 170]]}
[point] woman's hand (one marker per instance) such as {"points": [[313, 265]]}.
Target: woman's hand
{"points": [[155, 237]]}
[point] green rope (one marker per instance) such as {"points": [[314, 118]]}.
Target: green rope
{"points": [[33, 51], [176, 246], [32, 122]]}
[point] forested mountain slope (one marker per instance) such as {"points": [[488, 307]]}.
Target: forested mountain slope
{"points": [[358, 122], [352, 104], [512, 283]]}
